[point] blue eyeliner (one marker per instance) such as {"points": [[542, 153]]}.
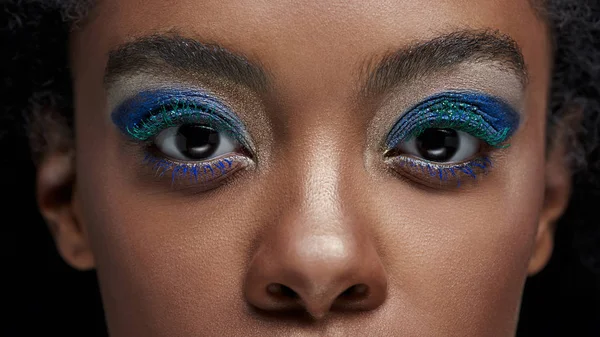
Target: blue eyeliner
{"points": [[207, 171], [483, 116], [444, 173]]}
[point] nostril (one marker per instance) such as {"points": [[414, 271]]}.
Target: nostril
{"points": [[355, 292], [297, 273], [282, 291]]}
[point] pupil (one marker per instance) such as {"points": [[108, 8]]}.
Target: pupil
{"points": [[197, 141], [437, 144]]}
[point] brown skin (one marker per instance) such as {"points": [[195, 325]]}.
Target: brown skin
{"points": [[320, 212]]}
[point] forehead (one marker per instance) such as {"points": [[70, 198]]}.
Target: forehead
{"points": [[336, 26], [308, 42], [370, 14], [331, 23]]}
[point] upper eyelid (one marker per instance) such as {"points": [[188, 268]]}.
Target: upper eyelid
{"points": [[490, 108], [142, 106]]}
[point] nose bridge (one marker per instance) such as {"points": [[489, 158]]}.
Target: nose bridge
{"points": [[312, 229], [316, 255], [321, 183], [319, 222], [310, 178]]}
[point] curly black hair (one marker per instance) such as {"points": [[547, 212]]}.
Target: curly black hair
{"points": [[575, 29], [36, 90]]}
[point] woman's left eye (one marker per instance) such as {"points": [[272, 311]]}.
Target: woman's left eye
{"points": [[194, 142], [449, 136], [441, 145]]}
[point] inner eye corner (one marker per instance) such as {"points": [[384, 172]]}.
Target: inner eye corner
{"points": [[390, 152]]}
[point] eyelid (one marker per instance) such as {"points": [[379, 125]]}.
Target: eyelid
{"points": [[135, 115], [487, 117]]}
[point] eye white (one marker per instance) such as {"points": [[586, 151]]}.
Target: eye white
{"points": [[166, 142], [468, 146]]}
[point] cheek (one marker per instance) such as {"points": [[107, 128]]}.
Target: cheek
{"points": [[164, 260], [461, 258]]}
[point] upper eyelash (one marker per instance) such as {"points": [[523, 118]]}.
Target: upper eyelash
{"points": [[146, 114], [483, 116]]}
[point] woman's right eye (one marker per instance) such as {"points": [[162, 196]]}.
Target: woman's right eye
{"points": [[194, 142], [190, 135]]}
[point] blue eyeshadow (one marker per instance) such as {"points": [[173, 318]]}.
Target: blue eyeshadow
{"points": [[146, 114], [486, 117]]}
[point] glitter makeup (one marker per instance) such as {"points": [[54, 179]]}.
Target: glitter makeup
{"points": [[485, 117], [144, 115]]}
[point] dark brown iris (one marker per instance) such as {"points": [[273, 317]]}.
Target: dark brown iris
{"points": [[197, 141], [438, 144]]}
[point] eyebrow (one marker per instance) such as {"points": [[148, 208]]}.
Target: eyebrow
{"points": [[152, 53], [157, 54], [442, 53]]}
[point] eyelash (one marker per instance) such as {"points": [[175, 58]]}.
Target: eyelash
{"points": [[425, 172], [205, 172], [457, 110]]}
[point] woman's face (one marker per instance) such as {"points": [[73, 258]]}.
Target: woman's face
{"points": [[327, 168]]}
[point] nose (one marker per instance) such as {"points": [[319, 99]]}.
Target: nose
{"points": [[299, 268]]}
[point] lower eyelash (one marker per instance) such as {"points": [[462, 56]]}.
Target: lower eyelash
{"points": [[444, 173], [205, 172]]}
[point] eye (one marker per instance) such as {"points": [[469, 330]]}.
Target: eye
{"points": [[449, 137], [441, 145], [190, 135], [194, 142]]}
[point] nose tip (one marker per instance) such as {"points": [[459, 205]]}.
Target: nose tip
{"points": [[320, 275]]}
